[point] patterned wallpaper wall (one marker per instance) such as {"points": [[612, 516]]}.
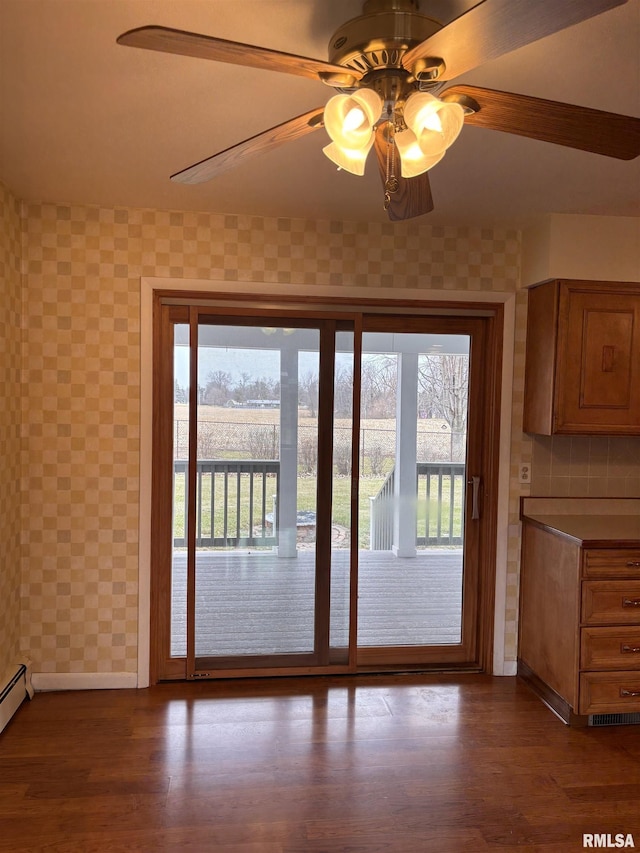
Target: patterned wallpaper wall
{"points": [[10, 334], [81, 429], [79, 296], [82, 373]]}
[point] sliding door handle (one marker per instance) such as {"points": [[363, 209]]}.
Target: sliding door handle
{"points": [[474, 482]]}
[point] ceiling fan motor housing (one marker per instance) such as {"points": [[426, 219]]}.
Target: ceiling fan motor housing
{"points": [[379, 38], [375, 43]]}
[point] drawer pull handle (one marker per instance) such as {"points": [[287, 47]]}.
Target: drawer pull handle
{"points": [[624, 693], [634, 564], [631, 602], [629, 650]]}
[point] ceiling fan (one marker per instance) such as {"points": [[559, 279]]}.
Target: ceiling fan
{"points": [[388, 68]]}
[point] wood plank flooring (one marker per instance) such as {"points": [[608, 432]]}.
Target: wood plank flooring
{"points": [[257, 603], [368, 764]]}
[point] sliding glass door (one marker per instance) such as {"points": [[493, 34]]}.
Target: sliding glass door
{"points": [[321, 477], [416, 578]]}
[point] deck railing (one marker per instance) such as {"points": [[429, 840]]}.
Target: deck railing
{"points": [[234, 502], [381, 516], [440, 503], [440, 507]]}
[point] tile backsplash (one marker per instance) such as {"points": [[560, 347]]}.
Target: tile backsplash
{"points": [[586, 466]]}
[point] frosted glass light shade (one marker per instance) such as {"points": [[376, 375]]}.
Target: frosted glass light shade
{"points": [[350, 159], [349, 119], [413, 160], [435, 123]]}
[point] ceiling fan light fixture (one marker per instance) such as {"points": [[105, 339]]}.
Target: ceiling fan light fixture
{"points": [[435, 123], [349, 119], [392, 58], [350, 122], [350, 159], [413, 160]]}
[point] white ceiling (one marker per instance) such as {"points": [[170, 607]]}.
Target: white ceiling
{"points": [[83, 120]]}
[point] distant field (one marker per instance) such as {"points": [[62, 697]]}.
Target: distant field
{"points": [[238, 433], [222, 414]]}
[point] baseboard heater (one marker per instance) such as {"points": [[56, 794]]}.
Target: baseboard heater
{"points": [[16, 688]]}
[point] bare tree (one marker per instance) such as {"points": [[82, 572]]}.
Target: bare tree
{"points": [[217, 390], [343, 393], [239, 390], [444, 393], [379, 381], [308, 391]]}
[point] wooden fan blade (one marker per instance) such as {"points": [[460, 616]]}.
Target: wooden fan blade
{"points": [[495, 27], [199, 46], [413, 197], [600, 132], [259, 144]]}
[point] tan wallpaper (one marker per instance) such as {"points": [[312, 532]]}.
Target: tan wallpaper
{"points": [[82, 375], [81, 428], [520, 454], [10, 334]]}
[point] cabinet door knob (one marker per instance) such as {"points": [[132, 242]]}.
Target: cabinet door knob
{"points": [[625, 693], [629, 650], [634, 564], [631, 602]]}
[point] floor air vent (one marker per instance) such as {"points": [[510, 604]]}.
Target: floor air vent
{"points": [[614, 719]]}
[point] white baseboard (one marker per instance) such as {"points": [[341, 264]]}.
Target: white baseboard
{"points": [[44, 681]]}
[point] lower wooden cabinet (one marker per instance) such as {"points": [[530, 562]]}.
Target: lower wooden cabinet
{"points": [[579, 636]]}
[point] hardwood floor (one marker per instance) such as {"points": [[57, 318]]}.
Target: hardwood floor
{"points": [[442, 763]]}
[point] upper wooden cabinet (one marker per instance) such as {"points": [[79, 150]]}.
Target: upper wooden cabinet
{"points": [[582, 371]]}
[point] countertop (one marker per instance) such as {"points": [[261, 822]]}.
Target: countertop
{"points": [[599, 522]]}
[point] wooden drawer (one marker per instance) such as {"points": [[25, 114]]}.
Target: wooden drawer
{"points": [[610, 562], [611, 602], [610, 648], [609, 692]]}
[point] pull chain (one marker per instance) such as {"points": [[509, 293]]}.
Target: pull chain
{"points": [[391, 184]]}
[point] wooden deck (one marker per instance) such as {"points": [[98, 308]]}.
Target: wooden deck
{"points": [[251, 603]]}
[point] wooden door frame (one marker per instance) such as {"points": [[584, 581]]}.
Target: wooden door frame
{"points": [[499, 307]]}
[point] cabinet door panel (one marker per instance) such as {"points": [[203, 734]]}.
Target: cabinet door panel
{"points": [[598, 380], [606, 359]]}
